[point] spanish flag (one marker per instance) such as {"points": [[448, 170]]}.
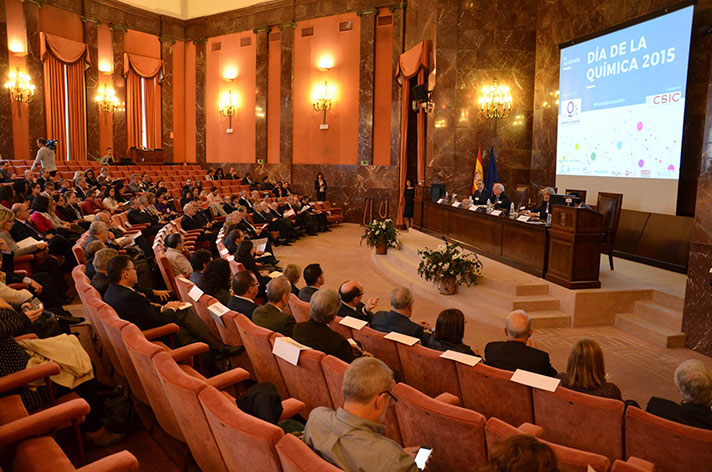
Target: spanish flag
{"points": [[478, 169]]}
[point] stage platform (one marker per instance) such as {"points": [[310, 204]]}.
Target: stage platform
{"points": [[642, 300]]}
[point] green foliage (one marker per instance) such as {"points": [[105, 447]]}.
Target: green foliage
{"points": [[381, 232], [449, 260]]}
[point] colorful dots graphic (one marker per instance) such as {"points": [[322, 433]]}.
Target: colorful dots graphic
{"points": [[593, 156], [671, 167], [577, 146], [640, 125], [641, 163], [620, 144]]}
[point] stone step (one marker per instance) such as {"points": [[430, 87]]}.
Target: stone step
{"points": [[549, 319], [535, 303], [670, 301], [659, 314], [640, 326]]}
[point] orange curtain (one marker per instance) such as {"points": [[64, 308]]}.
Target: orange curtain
{"points": [[134, 112], [152, 92], [54, 104], [76, 98]]}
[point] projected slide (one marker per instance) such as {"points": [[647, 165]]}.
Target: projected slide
{"points": [[622, 101]]}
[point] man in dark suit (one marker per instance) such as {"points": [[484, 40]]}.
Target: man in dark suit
{"points": [[271, 315], [263, 215], [5, 172], [481, 195], [314, 278], [316, 332], [138, 216], [694, 380], [247, 180], [191, 221], [351, 293], [398, 318], [58, 245], [134, 307], [245, 201], [501, 200], [245, 287], [100, 281], [519, 351]]}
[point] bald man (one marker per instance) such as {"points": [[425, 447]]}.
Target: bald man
{"points": [[351, 293], [519, 350]]}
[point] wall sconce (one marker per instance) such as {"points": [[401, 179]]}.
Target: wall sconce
{"points": [[495, 102], [230, 73], [105, 67], [17, 47], [321, 100], [228, 108], [21, 88], [325, 63], [108, 101]]}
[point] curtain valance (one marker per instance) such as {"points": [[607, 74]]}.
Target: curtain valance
{"points": [[66, 50], [144, 66]]}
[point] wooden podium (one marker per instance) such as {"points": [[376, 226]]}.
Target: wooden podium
{"points": [[574, 247]]}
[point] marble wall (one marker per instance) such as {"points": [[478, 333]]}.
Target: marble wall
{"points": [[167, 98], [91, 38], [6, 144]]}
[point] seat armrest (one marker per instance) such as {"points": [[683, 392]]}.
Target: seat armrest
{"points": [[19, 286], [291, 407], [43, 421], [25, 376], [534, 430], [23, 258], [226, 379], [160, 331], [122, 461], [186, 353], [448, 398], [641, 463]]}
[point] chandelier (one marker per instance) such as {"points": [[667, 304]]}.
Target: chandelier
{"points": [[21, 87], [495, 102], [108, 101]]}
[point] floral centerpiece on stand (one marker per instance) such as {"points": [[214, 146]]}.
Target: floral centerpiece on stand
{"points": [[381, 234], [449, 266]]}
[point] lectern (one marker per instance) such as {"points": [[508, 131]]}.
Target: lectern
{"points": [[574, 247]]}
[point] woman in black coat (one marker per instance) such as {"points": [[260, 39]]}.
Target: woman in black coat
{"points": [[320, 187], [408, 196]]}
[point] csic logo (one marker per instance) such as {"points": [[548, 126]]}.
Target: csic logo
{"points": [[664, 98]]}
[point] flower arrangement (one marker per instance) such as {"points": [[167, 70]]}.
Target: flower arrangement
{"points": [[383, 232], [449, 261]]}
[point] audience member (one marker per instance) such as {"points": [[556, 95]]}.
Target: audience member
{"points": [[174, 253], [314, 278], [522, 453], [351, 305], [216, 280], [316, 332], [293, 273], [271, 315], [352, 437], [586, 371], [398, 318], [90, 250], [694, 381], [198, 260], [100, 281], [519, 351], [449, 331], [245, 288]]}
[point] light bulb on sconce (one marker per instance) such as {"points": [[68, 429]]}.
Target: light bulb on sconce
{"points": [[322, 100], [230, 73], [20, 87], [325, 63], [105, 67], [228, 107], [495, 102], [108, 101], [17, 47]]}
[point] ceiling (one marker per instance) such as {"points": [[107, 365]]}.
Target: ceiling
{"points": [[188, 9]]}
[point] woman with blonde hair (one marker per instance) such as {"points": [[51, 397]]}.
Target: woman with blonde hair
{"points": [[586, 371]]}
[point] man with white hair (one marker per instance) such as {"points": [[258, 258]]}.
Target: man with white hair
{"points": [[272, 315], [352, 437], [519, 350], [501, 200], [694, 380], [398, 318]]}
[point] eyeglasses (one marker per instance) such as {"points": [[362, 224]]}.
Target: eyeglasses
{"points": [[387, 392], [131, 268]]}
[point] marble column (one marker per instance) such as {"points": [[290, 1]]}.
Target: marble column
{"points": [[35, 71], [396, 91], [200, 57], [6, 145], [366, 78], [91, 38], [285, 113], [261, 74], [167, 99], [120, 139]]}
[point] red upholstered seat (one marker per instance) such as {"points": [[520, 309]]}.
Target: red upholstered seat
{"points": [[296, 456], [92, 303], [669, 445], [298, 308], [245, 442], [568, 459], [488, 390], [633, 464], [384, 349], [259, 350], [456, 435], [305, 381], [44, 454], [427, 371], [344, 331], [334, 370], [581, 421]]}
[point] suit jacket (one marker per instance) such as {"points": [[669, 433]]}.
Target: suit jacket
{"points": [[480, 197], [387, 321], [189, 223], [359, 312], [295, 290], [270, 317], [20, 231], [100, 282], [137, 217], [501, 202], [247, 204], [243, 306], [695, 415], [321, 337], [543, 210], [135, 308], [306, 293], [513, 355]]}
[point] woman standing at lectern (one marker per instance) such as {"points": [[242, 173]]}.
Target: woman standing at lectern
{"points": [[408, 196]]}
